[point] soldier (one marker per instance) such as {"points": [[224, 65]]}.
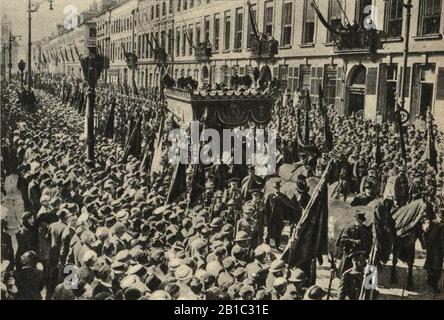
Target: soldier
{"points": [[364, 198], [355, 238], [359, 171], [373, 179], [256, 218], [233, 193], [351, 279], [401, 188]]}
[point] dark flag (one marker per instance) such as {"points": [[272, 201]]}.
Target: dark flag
{"points": [[109, 126], [431, 154], [178, 184], [327, 132], [307, 117], [133, 146], [252, 20], [72, 54], [378, 153], [309, 239]]}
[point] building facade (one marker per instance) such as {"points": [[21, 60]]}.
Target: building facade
{"points": [[353, 80]]}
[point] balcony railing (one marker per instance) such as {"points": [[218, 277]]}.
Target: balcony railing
{"points": [[203, 51], [264, 48], [357, 42]]}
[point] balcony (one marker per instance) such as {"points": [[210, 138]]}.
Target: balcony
{"points": [[357, 42], [160, 56], [203, 51], [264, 48]]}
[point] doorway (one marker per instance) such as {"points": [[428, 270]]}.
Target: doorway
{"points": [[426, 98], [356, 84]]}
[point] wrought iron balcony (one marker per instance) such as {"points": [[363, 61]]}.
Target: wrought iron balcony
{"points": [[264, 48], [350, 42], [203, 51]]}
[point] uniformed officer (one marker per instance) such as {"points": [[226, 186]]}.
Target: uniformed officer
{"points": [[355, 238], [233, 193], [351, 279]]}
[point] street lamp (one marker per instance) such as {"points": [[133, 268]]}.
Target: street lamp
{"points": [[92, 67], [11, 40], [33, 7]]}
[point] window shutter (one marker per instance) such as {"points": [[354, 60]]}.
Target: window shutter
{"points": [[440, 85], [414, 101], [382, 90], [371, 81], [407, 91]]}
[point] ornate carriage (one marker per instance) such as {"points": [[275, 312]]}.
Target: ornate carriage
{"points": [[218, 109]]}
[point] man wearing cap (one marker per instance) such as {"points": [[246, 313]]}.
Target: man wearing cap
{"points": [[260, 254], [364, 198], [278, 207], [355, 238], [401, 188], [256, 218], [233, 193], [351, 280], [27, 236], [372, 179]]}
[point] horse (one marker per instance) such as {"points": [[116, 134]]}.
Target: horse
{"points": [[410, 221]]}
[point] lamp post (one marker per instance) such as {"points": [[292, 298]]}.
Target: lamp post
{"points": [[92, 67], [21, 67], [33, 7], [408, 6], [3, 60], [11, 40]]}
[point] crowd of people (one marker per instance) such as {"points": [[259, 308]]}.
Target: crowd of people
{"points": [[106, 231]]}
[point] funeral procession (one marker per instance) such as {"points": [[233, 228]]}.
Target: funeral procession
{"points": [[222, 150]]}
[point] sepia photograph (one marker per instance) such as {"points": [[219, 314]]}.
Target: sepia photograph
{"points": [[238, 151]]}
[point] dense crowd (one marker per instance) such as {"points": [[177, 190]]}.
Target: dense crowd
{"points": [[103, 230]]}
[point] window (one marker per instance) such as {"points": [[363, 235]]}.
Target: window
{"points": [[268, 19], [185, 4], [170, 6], [287, 22], [177, 42], [309, 23], [191, 39], [305, 77], [163, 8], [162, 39], [430, 17], [362, 11], [251, 34], [238, 29], [293, 79], [334, 16], [184, 40], [227, 30], [216, 32], [207, 28], [170, 41], [198, 32], [191, 4], [394, 10], [152, 12], [157, 11], [330, 84]]}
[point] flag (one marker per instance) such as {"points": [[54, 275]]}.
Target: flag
{"points": [[309, 239], [66, 55], [109, 126], [307, 117], [328, 136], [44, 58], [72, 54], [178, 182], [133, 146], [378, 153], [431, 154], [252, 20], [322, 19]]}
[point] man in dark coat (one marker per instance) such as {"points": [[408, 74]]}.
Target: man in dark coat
{"points": [[27, 236], [433, 242], [354, 238], [29, 280], [364, 198], [278, 207]]}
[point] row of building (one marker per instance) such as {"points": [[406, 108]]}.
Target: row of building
{"points": [[353, 79]]}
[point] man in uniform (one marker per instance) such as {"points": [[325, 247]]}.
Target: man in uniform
{"points": [[256, 218], [233, 193], [354, 238], [351, 279], [364, 198]]}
